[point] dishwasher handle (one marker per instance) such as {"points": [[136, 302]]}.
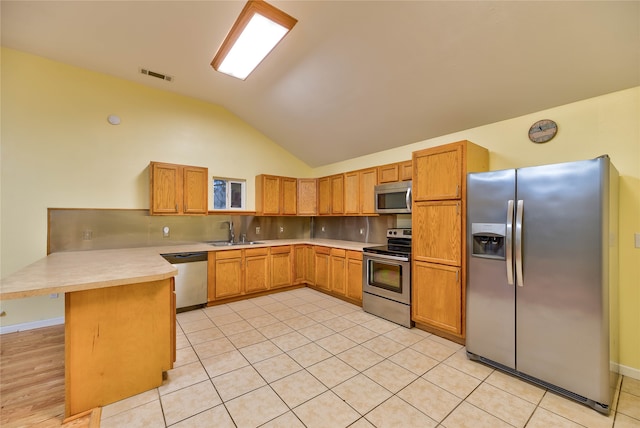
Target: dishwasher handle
{"points": [[178, 258]]}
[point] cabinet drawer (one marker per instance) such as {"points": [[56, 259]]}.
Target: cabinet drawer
{"points": [[322, 250], [252, 252], [228, 254], [338, 252], [281, 250]]}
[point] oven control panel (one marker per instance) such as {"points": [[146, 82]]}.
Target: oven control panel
{"points": [[399, 233]]}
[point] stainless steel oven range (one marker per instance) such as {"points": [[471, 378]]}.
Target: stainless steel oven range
{"points": [[386, 277]]}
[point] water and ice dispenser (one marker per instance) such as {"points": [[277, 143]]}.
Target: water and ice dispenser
{"points": [[488, 240]]}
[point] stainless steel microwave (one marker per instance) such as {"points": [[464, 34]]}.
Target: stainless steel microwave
{"points": [[393, 198]]}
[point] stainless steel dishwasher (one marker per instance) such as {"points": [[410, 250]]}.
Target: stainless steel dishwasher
{"points": [[191, 281]]}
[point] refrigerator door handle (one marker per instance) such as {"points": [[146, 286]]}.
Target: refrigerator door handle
{"points": [[509, 243], [519, 214]]}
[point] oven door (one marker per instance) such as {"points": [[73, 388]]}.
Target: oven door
{"points": [[387, 276]]}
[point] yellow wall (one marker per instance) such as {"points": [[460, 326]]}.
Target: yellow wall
{"points": [[59, 151]]}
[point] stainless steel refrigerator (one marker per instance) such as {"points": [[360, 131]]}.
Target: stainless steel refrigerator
{"points": [[542, 276]]}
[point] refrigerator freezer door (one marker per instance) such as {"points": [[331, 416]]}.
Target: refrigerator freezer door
{"points": [[561, 330], [490, 297]]}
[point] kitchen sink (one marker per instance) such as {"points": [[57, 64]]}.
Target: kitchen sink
{"points": [[231, 244]]}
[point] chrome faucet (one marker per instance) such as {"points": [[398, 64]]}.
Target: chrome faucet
{"points": [[232, 236]]}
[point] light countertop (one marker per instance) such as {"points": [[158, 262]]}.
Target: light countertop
{"points": [[84, 270]]}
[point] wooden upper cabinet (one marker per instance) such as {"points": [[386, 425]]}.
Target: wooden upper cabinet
{"points": [[307, 196], [406, 170], [289, 204], [440, 172], [276, 195], [352, 192], [389, 173], [359, 191], [331, 195], [368, 182], [394, 172], [337, 194], [324, 196], [178, 189], [195, 190]]}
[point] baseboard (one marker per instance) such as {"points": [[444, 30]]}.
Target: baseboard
{"points": [[629, 372], [31, 325]]}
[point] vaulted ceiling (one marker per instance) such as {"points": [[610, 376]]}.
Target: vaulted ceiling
{"points": [[353, 77]]}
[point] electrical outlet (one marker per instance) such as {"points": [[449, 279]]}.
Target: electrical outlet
{"points": [[257, 230], [165, 232], [281, 229], [53, 295], [87, 235], [322, 229], [361, 231]]}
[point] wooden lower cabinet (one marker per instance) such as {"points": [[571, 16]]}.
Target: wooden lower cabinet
{"points": [[233, 274], [281, 266], [338, 269], [321, 258], [225, 274], [118, 342], [437, 295], [256, 270], [354, 275]]}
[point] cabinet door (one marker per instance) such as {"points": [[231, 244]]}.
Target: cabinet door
{"points": [[289, 196], [388, 173], [321, 267], [307, 196], [406, 170], [352, 192], [166, 184], [337, 194], [310, 266], [195, 190], [338, 269], [299, 264], [437, 297], [281, 266], [368, 181], [256, 270], [438, 173], [437, 232], [354, 275], [324, 196], [228, 274], [268, 194]]}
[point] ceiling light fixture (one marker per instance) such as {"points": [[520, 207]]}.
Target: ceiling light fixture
{"points": [[255, 33]]}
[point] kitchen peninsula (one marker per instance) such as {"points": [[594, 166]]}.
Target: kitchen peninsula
{"points": [[119, 315]]}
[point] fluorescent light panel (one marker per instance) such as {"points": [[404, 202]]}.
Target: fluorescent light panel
{"points": [[255, 33]]}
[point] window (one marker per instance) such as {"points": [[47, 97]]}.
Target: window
{"points": [[229, 194]]}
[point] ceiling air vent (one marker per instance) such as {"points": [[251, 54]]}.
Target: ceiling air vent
{"points": [[155, 74]]}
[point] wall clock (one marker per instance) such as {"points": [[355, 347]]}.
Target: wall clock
{"points": [[543, 131]]}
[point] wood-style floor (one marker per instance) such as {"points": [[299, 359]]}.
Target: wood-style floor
{"points": [[32, 378]]}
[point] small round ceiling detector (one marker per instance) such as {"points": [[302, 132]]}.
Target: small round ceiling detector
{"points": [[113, 119]]}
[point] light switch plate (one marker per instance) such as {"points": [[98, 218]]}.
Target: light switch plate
{"points": [[637, 240]]}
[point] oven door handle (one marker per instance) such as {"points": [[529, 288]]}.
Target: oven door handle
{"points": [[386, 257]]}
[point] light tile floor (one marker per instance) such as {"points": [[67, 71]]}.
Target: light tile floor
{"points": [[304, 359]]}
